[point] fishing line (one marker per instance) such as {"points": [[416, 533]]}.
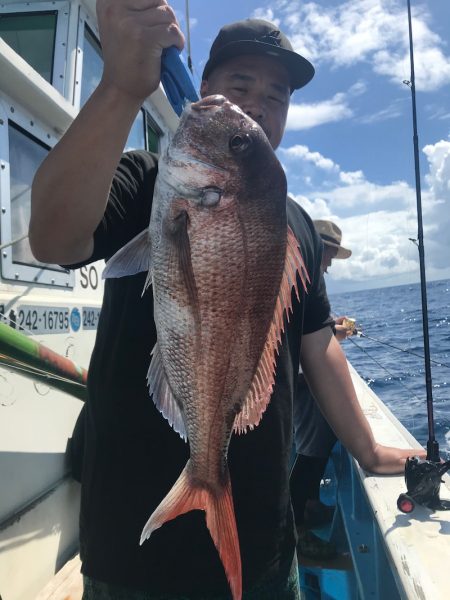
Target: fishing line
{"points": [[439, 364], [22, 367], [384, 368]]}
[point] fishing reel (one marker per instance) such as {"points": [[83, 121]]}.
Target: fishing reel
{"points": [[423, 481]]}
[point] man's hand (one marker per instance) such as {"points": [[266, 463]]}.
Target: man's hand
{"points": [[133, 34], [343, 331], [386, 460]]}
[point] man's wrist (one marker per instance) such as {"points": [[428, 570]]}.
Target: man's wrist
{"points": [[118, 98]]}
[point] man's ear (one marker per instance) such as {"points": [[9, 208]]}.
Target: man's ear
{"points": [[204, 88]]}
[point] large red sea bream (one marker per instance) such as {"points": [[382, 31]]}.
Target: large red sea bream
{"points": [[222, 262]]}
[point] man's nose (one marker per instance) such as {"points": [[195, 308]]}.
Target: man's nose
{"points": [[255, 108]]}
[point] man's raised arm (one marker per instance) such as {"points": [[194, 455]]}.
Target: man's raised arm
{"points": [[70, 189]]}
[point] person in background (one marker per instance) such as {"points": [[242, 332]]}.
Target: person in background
{"points": [[313, 437]]}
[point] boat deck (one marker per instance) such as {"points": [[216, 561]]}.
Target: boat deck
{"points": [[67, 584]]}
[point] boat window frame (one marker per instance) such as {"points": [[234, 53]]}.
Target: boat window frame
{"points": [[21, 273], [62, 8], [85, 21]]}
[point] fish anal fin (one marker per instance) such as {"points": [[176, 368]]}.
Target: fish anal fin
{"points": [[258, 397], [133, 258], [220, 520], [162, 394]]}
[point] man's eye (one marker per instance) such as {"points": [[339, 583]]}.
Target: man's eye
{"points": [[239, 89], [277, 100]]}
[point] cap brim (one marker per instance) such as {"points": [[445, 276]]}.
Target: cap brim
{"points": [[341, 251], [299, 69]]}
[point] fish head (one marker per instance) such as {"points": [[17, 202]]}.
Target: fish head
{"points": [[219, 154]]}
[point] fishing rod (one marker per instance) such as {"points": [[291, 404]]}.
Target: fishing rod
{"points": [[34, 360], [422, 477], [432, 444]]}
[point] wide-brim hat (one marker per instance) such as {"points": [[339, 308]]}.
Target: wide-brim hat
{"points": [[331, 236], [256, 36]]}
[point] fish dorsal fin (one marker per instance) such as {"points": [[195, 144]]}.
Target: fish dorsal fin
{"points": [[134, 257], [261, 388], [163, 397]]}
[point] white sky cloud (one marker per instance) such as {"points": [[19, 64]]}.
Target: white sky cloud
{"points": [[267, 14], [303, 152], [394, 110], [370, 31], [305, 116], [378, 220]]}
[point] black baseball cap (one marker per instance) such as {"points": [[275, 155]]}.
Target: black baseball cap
{"points": [[256, 36]]}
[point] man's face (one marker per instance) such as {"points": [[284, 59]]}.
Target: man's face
{"points": [[327, 257], [259, 85]]}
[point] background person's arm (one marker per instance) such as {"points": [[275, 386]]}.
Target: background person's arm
{"points": [[325, 368], [70, 189]]}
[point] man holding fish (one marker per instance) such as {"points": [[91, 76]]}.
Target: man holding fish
{"points": [[236, 300]]}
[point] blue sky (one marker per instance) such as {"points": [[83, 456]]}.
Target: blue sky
{"points": [[347, 150]]}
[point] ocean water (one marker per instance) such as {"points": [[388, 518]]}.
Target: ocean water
{"points": [[394, 316]]}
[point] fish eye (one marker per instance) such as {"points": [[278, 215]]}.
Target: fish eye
{"points": [[211, 196], [240, 142]]}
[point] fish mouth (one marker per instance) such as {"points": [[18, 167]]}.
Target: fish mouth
{"points": [[213, 103], [210, 102]]}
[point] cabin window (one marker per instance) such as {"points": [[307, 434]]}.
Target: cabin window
{"points": [[25, 155], [92, 65], [136, 137], [22, 153], [32, 36], [37, 32], [153, 134], [144, 133]]}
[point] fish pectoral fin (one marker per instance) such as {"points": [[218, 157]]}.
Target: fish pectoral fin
{"points": [[134, 257], [220, 520], [162, 394], [260, 392]]}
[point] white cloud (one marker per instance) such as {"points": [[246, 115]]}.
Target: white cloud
{"points": [[303, 152], [370, 31], [267, 14], [306, 116], [351, 177], [437, 210], [394, 110], [316, 209], [378, 220], [358, 88], [362, 194]]}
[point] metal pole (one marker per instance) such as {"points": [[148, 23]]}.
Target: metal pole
{"points": [[432, 444], [188, 36]]}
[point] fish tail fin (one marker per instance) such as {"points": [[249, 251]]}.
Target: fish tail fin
{"points": [[220, 520]]}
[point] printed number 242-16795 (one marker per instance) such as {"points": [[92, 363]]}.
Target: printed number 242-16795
{"points": [[42, 319]]}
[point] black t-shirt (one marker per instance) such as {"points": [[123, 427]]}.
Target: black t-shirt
{"points": [[131, 455]]}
